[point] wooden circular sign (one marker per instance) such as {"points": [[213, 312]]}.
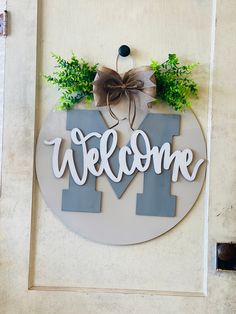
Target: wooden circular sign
{"points": [[117, 185]]}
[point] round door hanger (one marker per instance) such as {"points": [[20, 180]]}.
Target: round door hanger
{"points": [[117, 184]]}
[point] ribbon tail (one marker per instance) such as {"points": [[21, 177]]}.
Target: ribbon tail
{"points": [[134, 115], [131, 101], [129, 109], [112, 114]]}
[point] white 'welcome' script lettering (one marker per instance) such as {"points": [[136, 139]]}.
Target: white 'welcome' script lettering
{"points": [[96, 161]]}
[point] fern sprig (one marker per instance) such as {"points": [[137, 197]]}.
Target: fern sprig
{"points": [[74, 78], [173, 82]]}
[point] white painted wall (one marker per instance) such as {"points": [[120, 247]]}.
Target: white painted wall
{"points": [[180, 274]]}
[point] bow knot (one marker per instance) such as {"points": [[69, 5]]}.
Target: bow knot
{"points": [[111, 85], [136, 85]]}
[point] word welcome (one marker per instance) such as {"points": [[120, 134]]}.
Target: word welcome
{"points": [[96, 160]]}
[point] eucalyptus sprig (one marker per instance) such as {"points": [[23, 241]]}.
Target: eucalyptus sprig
{"points": [[173, 82], [74, 78]]}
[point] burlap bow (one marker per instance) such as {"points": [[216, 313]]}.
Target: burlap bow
{"points": [[137, 85]]}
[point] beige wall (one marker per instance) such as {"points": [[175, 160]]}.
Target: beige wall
{"points": [[2, 71], [63, 277]]}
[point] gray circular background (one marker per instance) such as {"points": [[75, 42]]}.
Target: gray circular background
{"points": [[117, 223]]}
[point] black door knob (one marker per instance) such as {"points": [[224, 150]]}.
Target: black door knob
{"points": [[226, 251], [226, 256]]}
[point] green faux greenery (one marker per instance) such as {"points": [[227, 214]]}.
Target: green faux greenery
{"points": [[74, 78], [173, 82]]}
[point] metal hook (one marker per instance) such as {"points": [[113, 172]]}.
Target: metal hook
{"points": [[123, 51]]}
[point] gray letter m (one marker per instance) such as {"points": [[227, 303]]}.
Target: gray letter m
{"points": [[156, 199]]}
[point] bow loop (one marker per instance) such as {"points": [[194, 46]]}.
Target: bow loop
{"points": [[137, 85]]}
